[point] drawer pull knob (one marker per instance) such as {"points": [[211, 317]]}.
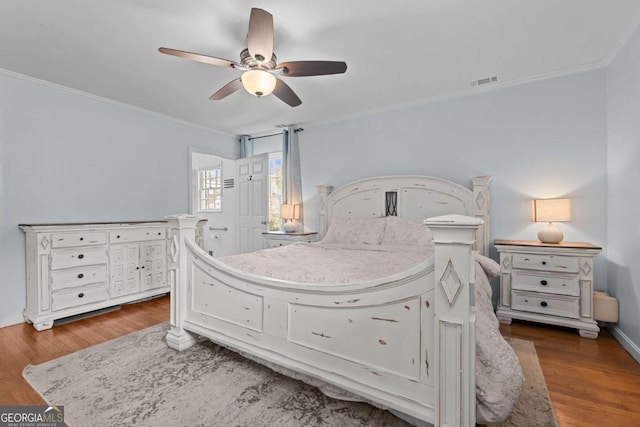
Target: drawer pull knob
{"points": [[544, 262], [544, 283], [80, 256], [117, 237], [80, 295], [80, 276], [82, 238], [543, 303]]}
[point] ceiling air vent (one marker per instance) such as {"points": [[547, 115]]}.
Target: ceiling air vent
{"points": [[485, 81]]}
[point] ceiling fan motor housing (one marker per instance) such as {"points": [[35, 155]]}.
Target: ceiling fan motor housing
{"points": [[249, 62]]}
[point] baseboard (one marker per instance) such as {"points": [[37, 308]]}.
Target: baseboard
{"points": [[626, 342], [11, 320]]}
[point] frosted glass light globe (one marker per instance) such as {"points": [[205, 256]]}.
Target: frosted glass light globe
{"points": [[258, 82]]}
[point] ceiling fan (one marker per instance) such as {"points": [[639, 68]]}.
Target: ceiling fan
{"points": [[260, 65]]}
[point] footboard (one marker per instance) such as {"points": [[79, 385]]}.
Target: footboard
{"points": [[405, 343]]}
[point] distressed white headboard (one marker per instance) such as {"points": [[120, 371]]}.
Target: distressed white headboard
{"points": [[408, 196]]}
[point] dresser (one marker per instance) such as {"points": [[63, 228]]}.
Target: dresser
{"points": [[78, 268], [274, 239], [548, 283]]}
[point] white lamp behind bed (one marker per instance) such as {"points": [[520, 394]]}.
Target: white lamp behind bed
{"points": [[289, 213], [551, 210]]}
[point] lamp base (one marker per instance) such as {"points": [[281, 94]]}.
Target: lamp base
{"points": [[289, 227], [550, 234]]}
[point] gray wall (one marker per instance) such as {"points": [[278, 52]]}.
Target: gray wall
{"points": [[538, 140], [66, 157], [624, 191]]}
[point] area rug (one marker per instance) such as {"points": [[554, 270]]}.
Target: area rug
{"points": [[138, 380], [533, 408]]}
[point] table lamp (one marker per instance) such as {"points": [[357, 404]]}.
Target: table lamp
{"points": [[551, 210], [289, 213]]}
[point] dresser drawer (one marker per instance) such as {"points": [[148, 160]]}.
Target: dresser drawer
{"points": [[546, 262], [78, 257], [137, 235], [80, 296], [554, 284], [68, 278], [555, 305], [79, 238]]}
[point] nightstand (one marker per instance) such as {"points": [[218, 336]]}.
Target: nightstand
{"points": [[274, 239], [547, 283]]}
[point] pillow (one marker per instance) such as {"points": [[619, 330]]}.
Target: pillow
{"points": [[355, 231], [490, 267], [406, 231]]}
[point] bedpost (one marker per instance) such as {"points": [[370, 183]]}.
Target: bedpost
{"points": [[481, 204], [323, 208], [182, 227], [454, 272]]}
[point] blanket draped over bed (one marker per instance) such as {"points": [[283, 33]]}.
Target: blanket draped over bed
{"points": [[395, 316]]}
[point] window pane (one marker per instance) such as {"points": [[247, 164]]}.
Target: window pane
{"points": [[210, 189]]}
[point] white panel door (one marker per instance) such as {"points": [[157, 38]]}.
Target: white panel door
{"points": [[253, 201]]}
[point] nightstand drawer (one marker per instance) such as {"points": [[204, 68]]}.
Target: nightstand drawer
{"points": [[546, 262], [277, 239], [554, 305], [556, 284]]}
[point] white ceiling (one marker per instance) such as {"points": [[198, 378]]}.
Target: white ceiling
{"points": [[398, 52]]}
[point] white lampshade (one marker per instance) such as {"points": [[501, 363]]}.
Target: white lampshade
{"points": [[258, 82], [290, 211], [551, 210]]}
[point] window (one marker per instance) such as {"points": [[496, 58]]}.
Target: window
{"points": [[210, 190], [275, 190]]}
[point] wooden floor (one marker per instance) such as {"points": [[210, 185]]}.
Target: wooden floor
{"points": [[591, 382]]}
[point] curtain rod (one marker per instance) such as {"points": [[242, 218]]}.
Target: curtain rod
{"points": [[273, 134]]}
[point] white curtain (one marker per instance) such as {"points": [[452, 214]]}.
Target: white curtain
{"points": [[292, 185], [246, 146]]}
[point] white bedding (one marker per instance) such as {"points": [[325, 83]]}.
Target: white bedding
{"points": [[325, 263], [499, 377]]}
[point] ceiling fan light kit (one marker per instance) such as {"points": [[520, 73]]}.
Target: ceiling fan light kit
{"points": [[258, 82], [259, 77]]}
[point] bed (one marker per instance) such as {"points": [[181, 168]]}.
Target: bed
{"points": [[402, 338]]}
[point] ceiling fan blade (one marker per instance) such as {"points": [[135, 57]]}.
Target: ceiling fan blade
{"points": [[312, 68], [226, 90], [260, 35], [286, 94], [199, 58]]}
